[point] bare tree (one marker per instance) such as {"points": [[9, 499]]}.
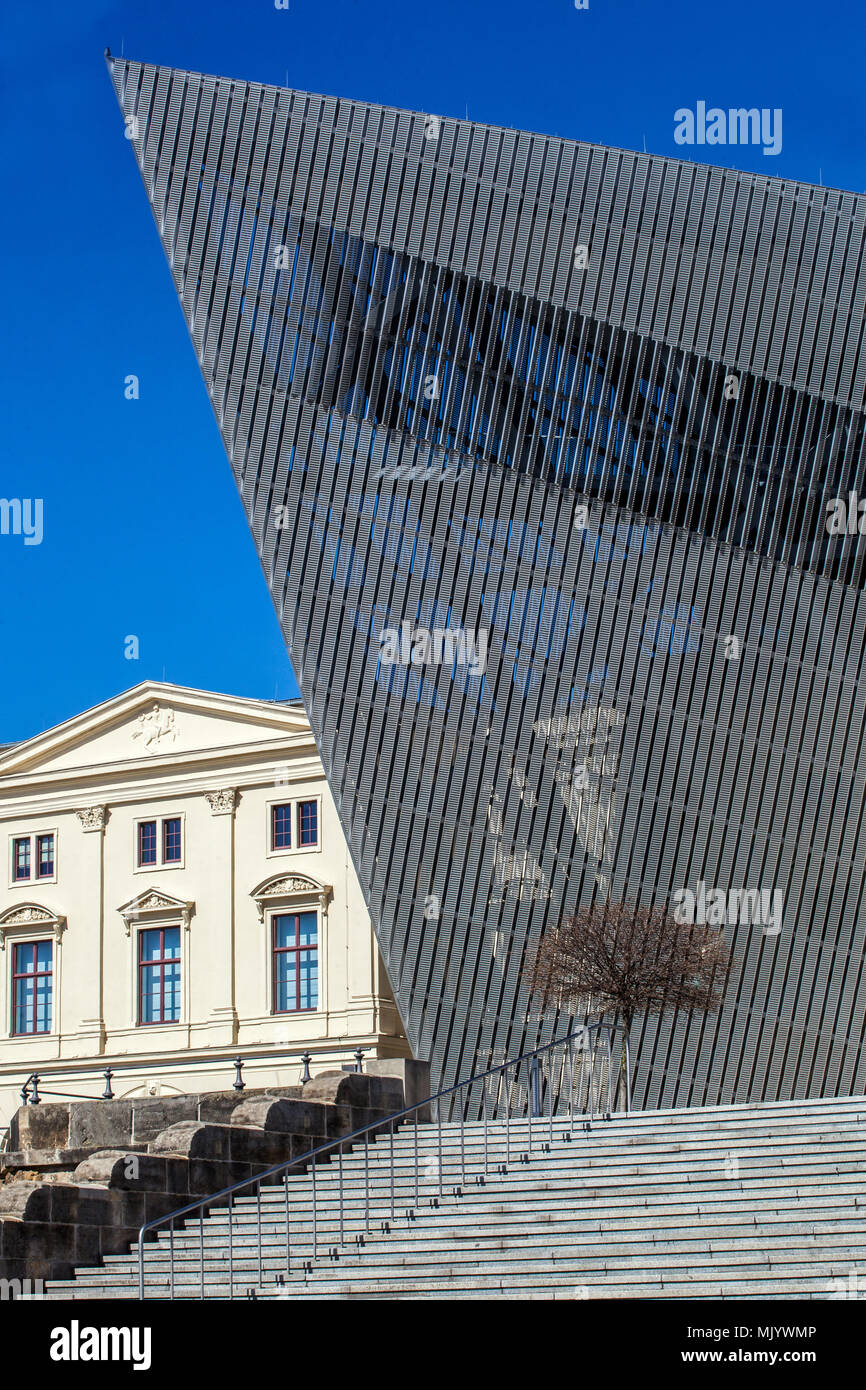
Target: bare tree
{"points": [[618, 957]]}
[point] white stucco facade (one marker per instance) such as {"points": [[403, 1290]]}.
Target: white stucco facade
{"points": [[73, 802]]}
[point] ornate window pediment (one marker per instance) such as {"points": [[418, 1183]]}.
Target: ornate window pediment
{"points": [[155, 906], [286, 889], [25, 917]]}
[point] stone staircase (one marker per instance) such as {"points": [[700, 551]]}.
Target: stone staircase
{"points": [[759, 1201]]}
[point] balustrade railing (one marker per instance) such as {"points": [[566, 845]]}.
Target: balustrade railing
{"points": [[34, 1088]]}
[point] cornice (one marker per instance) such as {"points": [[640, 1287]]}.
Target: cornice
{"points": [[150, 781], [157, 761]]}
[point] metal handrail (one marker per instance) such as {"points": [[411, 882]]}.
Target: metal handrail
{"points": [[31, 1093], [377, 1126]]}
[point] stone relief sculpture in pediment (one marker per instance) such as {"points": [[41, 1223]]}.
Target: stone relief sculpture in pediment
{"points": [[30, 916], [156, 728]]}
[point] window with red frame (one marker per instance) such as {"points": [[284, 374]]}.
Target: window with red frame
{"points": [[159, 842], [159, 975], [281, 827], [32, 984], [295, 962], [21, 859], [44, 856], [171, 848], [308, 824], [146, 843], [32, 857]]}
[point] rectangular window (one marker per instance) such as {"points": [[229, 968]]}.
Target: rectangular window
{"points": [[308, 823], [34, 857], [31, 987], [44, 856], [159, 975], [146, 842], [296, 965], [171, 841], [281, 827], [21, 859]]}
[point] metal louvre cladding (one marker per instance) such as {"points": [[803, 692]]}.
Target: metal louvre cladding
{"points": [[418, 387]]}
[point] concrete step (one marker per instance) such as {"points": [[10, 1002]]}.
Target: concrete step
{"points": [[375, 1263], [445, 1227], [820, 1278], [584, 1150], [547, 1290]]}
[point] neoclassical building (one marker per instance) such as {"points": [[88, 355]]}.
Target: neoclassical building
{"points": [[178, 894]]}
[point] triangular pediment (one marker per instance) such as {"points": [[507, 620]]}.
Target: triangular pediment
{"points": [[154, 905], [152, 900], [154, 722]]}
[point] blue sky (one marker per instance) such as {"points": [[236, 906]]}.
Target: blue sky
{"points": [[143, 531]]}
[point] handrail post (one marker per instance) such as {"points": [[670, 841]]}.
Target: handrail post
{"points": [[340, 1158], [171, 1258], [315, 1220], [484, 1111], [366, 1184], [288, 1245], [34, 1099], [507, 1119], [550, 1096], [231, 1250], [439, 1122], [201, 1249], [108, 1094], [239, 1075], [416, 1157], [391, 1165], [535, 1085], [530, 1101], [259, 1226]]}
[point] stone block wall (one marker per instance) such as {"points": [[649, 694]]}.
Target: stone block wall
{"points": [[99, 1170]]}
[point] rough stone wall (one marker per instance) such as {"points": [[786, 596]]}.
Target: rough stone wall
{"points": [[96, 1171]]}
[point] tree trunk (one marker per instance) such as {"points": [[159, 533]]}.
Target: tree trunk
{"points": [[623, 1061]]}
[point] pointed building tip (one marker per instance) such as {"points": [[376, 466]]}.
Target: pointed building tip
{"points": [[108, 57]]}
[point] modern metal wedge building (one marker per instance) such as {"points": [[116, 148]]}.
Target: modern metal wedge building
{"points": [[536, 440]]}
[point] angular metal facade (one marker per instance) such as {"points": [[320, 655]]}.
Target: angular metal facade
{"points": [[429, 344]]}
